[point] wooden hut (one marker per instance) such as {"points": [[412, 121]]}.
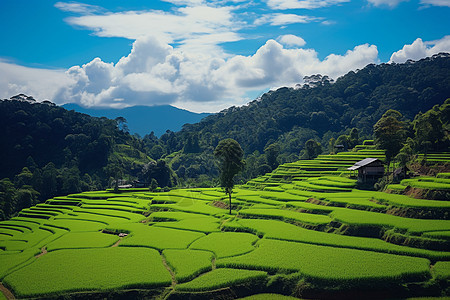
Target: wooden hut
{"points": [[368, 169]]}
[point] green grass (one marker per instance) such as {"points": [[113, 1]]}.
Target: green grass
{"points": [[258, 199], [197, 194], [158, 237], [224, 244], [192, 206], [282, 196], [310, 207], [354, 198], [396, 187], [366, 218], [25, 240], [12, 259], [430, 183], [78, 240], [329, 265], [220, 278], [266, 232], [333, 181], [187, 263], [120, 215], [90, 269], [205, 225], [274, 229], [438, 234], [75, 225], [442, 270], [80, 215], [314, 186], [405, 201], [283, 214]]}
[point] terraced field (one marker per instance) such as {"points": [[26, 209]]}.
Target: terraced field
{"points": [[303, 230]]}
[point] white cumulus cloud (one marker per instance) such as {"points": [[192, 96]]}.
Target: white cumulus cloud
{"points": [[156, 73], [420, 49], [278, 19], [291, 40], [77, 7], [189, 26], [40, 83], [390, 3], [306, 4], [436, 2]]}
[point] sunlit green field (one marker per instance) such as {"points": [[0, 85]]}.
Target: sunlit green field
{"points": [[288, 234]]}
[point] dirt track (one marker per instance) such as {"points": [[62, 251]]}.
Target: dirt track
{"points": [[6, 292], [43, 252]]}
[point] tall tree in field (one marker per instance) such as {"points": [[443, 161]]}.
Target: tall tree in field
{"points": [[390, 133], [429, 129], [229, 154], [272, 152], [312, 149]]}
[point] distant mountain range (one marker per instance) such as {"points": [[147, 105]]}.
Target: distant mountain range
{"points": [[145, 119]]}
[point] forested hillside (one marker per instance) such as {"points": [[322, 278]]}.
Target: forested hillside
{"points": [[48, 151], [275, 128]]}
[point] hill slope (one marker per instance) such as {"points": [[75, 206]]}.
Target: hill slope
{"points": [[48, 151], [145, 119], [357, 99], [288, 117], [309, 236]]}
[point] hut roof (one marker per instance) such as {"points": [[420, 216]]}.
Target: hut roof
{"points": [[362, 163]]}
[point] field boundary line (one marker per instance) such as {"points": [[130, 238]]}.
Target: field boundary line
{"points": [[8, 294], [172, 273]]}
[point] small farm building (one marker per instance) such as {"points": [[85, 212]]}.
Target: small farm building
{"points": [[368, 169], [339, 148]]}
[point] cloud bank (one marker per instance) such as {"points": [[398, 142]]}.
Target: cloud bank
{"points": [[156, 73], [40, 83], [177, 56], [304, 4], [420, 49]]}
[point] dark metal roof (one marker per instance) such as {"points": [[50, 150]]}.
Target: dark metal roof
{"points": [[362, 163]]}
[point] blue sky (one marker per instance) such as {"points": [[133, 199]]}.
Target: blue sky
{"points": [[203, 55]]}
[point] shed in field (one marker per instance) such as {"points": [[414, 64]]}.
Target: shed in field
{"points": [[368, 169]]}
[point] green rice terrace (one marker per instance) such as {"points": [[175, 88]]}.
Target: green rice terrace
{"points": [[304, 230]]}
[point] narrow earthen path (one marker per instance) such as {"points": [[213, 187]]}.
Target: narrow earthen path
{"points": [[43, 252], [6, 292], [172, 274], [213, 262], [117, 243]]}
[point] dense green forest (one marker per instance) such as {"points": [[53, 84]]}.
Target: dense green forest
{"points": [[48, 151], [276, 127]]}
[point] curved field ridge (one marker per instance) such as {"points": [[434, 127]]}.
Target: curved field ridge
{"points": [[221, 278], [328, 264], [188, 263], [90, 269], [78, 240], [282, 231], [224, 244], [160, 238]]}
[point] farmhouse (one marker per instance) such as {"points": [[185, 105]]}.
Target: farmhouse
{"points": [[368, 169]]}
